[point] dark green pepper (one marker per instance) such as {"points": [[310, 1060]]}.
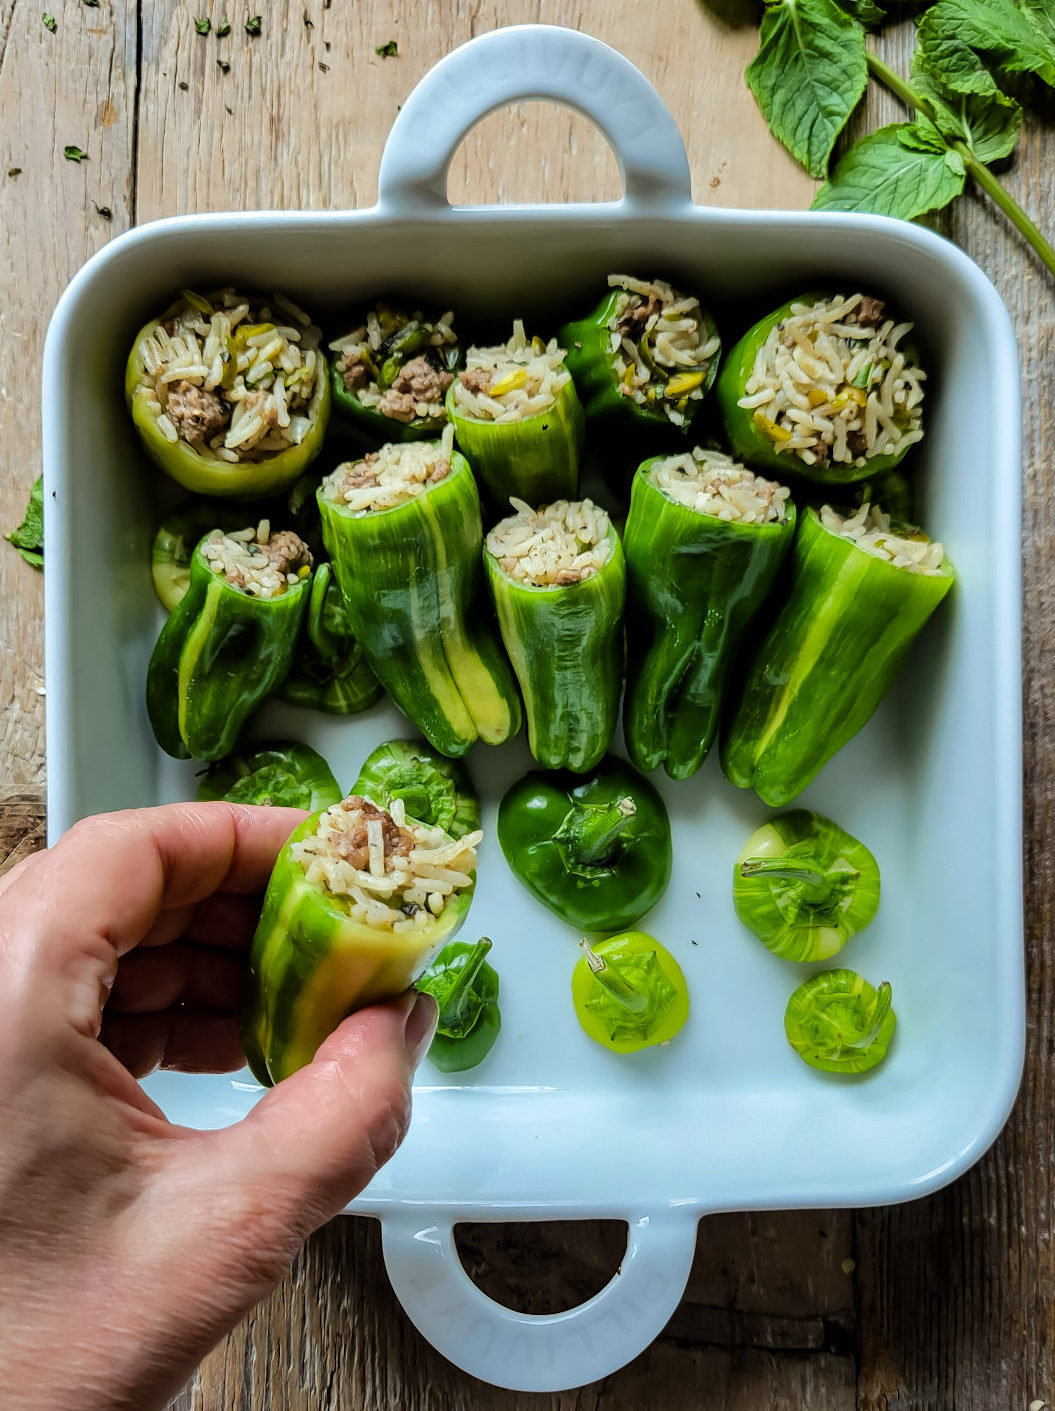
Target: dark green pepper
{"points": [[435, 790], [466, 990], [330, 671], [804, 885], [762, 434], [629, 992], [410, 576], [563, 635], [837, 1022], [652, 389], [283, 774], [361, 370], [696, 582], [596, 851], [829, 658], [220, 654]]}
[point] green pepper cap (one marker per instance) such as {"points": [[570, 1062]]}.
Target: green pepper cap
{"points": [[466, 989], [837, 1022], [283, 773], [435, 790], [629, 992]]}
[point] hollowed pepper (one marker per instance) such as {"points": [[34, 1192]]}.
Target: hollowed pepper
{"points": [[283, 774], [696, 581], [330, 671], [596, 851], [434, 790], [466, 989], [830, 656]]}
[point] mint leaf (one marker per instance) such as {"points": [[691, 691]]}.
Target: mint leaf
{"points": [[898, 171], [1019, 38], [952, 61], [808, 76], [28, 538], [867, 11], [988, 123]]}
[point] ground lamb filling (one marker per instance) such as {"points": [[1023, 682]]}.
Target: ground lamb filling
{"points": [[511, 381], [229, 377], [831, 385], [261, 564], [869, 529], [661, 347], [711, 482], [394, 874], [391, 476], [553, 546], [418, 387]]}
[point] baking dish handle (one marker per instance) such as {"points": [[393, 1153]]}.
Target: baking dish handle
{"points": [[529, 1352], [525, 62]]}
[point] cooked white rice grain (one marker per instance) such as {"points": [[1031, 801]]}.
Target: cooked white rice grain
{"points": [[713, 483], [553, 546], [511, 381], [261, 564], [398, 472], [869, 529]]}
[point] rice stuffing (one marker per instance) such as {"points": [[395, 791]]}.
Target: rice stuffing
{"points": [[417, 390], [869, 528], [553, 546], [711, 482], [831, 385], [232, 378], [259, 563], [396, 473], [511, 381], [661, 346], [393, 873]]}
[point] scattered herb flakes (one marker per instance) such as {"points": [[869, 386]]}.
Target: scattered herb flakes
{"points": [[223, 29], [73, 153], [223, 65], [14, 171], [253, 24], [388, 50], [203, 26], [49, 21], [92, 4], [104, 211], [324, 68], [28, 538]]}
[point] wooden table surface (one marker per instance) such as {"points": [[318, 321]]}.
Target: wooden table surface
{"points": [[946, 1303]]}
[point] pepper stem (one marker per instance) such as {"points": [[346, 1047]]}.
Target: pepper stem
{"points": [[451, 1013], [589, 832], [816, 885], [609, 980], [880, 1010]]}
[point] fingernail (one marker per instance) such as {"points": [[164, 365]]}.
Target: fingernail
{"points": [[421, 1025]]}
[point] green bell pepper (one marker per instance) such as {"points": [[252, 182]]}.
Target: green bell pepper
{"points": [[178, 435], [804, 886], [564, 637], [827, 661], [435, 790], [760, 435], [535, 458], [837, 1022], [696, 583], [410, 576], [652, 390], [219, 655], [466, 989], [330, 671], [283, 774], [629, 992], [313, 960], [176, 540], [377, 377], [596, 850]]}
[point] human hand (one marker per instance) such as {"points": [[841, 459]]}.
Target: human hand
{"points": [[129, 1246]]}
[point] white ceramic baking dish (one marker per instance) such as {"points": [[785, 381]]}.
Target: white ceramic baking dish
{"points": [[552, 1126]]}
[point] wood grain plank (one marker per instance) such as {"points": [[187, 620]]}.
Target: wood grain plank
{"points": [[76, 85]]}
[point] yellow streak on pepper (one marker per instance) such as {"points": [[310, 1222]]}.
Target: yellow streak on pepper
{"points": [[197, 302]]}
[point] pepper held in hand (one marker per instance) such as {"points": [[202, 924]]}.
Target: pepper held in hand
{"points": [[595, 850]]}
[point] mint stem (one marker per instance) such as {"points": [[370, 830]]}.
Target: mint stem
{"points": [[981, 173]]}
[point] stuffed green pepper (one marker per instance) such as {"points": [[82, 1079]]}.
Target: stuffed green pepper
{"points": [[861, 590], [177, 538], [360, 900], [390, 373], [827, 386], [645, 357], [404, 534], [435, 790], [330, 671], [704, 541], [558, 580], [229, 394], [230, 640], [517, 418]]}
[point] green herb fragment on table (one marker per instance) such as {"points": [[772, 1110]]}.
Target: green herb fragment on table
{"points": [[433, 789], [629, 992], [73, 153], [203, 26], [359, 902], [223, 29], [804, 886], [388, 50], [837, 1022], [28, 538], [281, 774], [465, 987], [253, 24], [330, 671], [596, 851], [558, 580], [49, 22]]}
